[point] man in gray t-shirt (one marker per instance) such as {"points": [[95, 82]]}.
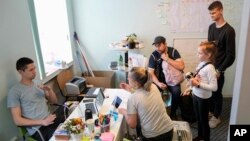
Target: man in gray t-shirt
{"points": [[28, 102]]}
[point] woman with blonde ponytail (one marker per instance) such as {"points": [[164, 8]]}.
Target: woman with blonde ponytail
{"points": [[145, 106]]}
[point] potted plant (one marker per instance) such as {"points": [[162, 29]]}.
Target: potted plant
{"points": [[131, 39]]}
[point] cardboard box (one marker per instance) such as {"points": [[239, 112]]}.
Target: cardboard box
{"points": [[104, 79]]}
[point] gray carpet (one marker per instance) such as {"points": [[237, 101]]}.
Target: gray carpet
{"points": [[219, 133]]}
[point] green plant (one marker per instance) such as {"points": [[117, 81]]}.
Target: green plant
{"points": [[132, 38]]}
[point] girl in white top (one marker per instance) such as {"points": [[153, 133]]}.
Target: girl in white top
{"points": [[202, 86], [146, 106]]}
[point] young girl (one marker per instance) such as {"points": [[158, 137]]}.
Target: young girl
{"points": [[202, 85]]}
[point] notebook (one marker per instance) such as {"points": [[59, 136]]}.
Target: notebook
{"points": [[93, 92], [94, 104]]}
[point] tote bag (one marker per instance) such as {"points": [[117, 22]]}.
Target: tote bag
{"points": [[172, 75]]}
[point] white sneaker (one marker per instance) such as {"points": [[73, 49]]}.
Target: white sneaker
{"points": [[213, 122]]}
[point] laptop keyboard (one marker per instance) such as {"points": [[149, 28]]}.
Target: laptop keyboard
{"points": [[91, 107]]}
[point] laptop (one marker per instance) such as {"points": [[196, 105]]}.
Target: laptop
{"points": [[93, 92], [94, 104]]}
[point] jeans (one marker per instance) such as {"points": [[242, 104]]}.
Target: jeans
{"points": [[176, 93], [47, 131]]}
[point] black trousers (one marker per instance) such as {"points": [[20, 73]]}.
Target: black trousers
{"points": [[217, 98], [201, 109], [163, 137], [47, 131]]}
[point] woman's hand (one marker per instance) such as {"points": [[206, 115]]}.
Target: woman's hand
{"points": [[122, 111], [125, 86], [194, 82], [186, 92]]}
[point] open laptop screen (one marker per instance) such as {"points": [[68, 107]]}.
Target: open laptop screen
{"points": [[100, 97]]}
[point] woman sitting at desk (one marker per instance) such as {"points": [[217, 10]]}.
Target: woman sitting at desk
{"points": [[146, 105]]}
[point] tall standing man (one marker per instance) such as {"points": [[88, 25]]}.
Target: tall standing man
{"points": [[224, 36], [28, 103]]}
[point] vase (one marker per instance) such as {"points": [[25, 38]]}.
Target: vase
{"points": [[76, 137]]}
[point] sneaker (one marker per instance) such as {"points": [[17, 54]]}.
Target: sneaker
{"points": [[213, 122]]}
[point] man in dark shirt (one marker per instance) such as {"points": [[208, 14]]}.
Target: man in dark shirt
{"points": [[224, 36], [165, 53]]}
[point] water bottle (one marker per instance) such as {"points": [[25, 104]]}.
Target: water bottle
{"points": [[130, 64], [120, 62], [166, 96]]}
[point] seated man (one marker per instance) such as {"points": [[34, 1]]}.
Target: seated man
{"points": [[28, 102]]}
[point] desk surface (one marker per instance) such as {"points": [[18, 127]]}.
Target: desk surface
{"points": [[118, 128]]}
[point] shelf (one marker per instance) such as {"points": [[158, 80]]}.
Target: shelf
{"points": [[118, 46]]}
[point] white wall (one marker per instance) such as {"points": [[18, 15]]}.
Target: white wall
{"points": [[15, 41], [99, 23], [241, 86], [240, 103]]}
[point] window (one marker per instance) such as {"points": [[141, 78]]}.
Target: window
{"points": [[51, 34]]}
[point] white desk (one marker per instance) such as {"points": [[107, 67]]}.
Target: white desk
{"points": [[118, 128]]}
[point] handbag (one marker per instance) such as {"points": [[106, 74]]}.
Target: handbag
{"points": [[172, 75]]}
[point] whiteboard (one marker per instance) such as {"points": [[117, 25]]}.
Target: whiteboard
{"points": [[187, 47]]}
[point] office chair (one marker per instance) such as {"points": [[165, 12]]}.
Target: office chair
{"points": [[62, 78], [26, 137]]}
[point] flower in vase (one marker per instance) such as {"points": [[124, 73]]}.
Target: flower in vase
{"points": [[74, 125]]}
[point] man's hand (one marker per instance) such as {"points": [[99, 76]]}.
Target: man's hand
{"points": [[45, 87], [164, 56], [49, 120], [162, 85]]}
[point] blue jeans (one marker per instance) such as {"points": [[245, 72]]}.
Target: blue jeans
{"points": [[176, 94]]}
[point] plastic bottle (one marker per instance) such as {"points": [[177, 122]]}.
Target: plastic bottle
{"points": [[120, 62], [167, 98], [130, 64]]}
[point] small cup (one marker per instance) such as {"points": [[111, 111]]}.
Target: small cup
{"points": [[90, 124]]}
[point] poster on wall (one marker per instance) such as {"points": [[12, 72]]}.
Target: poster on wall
{"points": [[185, 15]]}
